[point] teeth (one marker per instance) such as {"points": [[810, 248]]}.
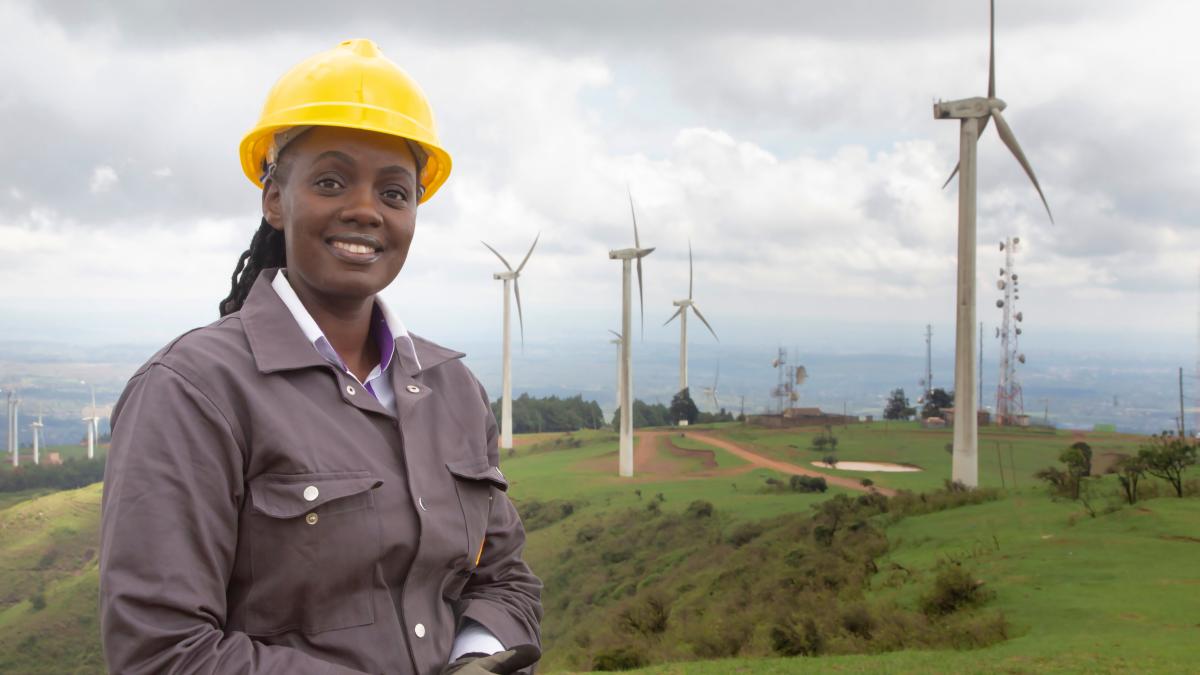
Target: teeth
{"points": [[353, 248]]}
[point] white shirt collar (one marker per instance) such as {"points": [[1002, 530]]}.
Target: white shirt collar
{"points": [[404, 344]]}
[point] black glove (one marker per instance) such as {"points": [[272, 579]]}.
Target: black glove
{"points": [[500, 663]]}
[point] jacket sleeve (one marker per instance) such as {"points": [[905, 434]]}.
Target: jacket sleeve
{"points": [[173, 488], [503, 595]]}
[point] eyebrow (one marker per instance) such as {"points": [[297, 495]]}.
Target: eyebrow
{"points": [[347, 159]]}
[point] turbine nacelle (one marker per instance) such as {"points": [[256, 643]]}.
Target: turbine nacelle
{"points": [[630, 253], [965, 108]]}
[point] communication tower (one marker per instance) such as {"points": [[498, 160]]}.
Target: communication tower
{"points": [[1010, 403], [787, 381]]}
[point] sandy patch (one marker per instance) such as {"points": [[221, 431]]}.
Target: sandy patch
{"points": [[886, 467]]}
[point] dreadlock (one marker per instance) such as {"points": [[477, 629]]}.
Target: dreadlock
{"points": [[266, 250]]}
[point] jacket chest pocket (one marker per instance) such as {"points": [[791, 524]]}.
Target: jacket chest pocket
{"points": [[474, 481], [314, 542]]}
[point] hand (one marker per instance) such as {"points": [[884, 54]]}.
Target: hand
{"points": [[500, 663]]}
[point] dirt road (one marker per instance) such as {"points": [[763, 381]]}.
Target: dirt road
{"points": [[784, 467]]}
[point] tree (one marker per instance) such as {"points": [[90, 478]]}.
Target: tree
{"points": [[897, 407], [1168, 456], [1078, 459], [1130, 470], [935, 401], [683, 407]]}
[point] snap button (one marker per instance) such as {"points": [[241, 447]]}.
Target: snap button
{"points": [[350, 389], [419, 629], [311, 519], [311, 493], [413, 389]]}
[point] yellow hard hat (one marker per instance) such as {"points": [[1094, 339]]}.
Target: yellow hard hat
{"points": [[352, 85]]}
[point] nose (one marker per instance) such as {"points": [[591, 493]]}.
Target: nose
{"points": [[362, 208]]}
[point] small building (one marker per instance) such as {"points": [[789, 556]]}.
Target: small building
{"points": [[982, 417]]}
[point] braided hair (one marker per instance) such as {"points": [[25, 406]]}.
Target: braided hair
{"points": [[267, 247], [266, 250]]}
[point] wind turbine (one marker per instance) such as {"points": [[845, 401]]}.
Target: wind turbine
{"points": [[974, 114], [14, 438], [627, 256], [682, 313], [510, 278], [711, 392], [37, 433], [620, 371], [92, 416]]}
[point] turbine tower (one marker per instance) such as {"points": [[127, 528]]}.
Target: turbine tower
{"points": [[682, 313], [974, 114], [91, 415], [627, 256], [509, 276]]}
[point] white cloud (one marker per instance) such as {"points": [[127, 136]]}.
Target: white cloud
{"points": [[104, 178]]}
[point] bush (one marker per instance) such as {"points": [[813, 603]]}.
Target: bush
{"points": [[699, 509], [620, 658], [71, 474], [954, 588], [807, 484], [791, 638], [744, 534], [538, 514], [857, 619], [866, 482], [38, 601]]}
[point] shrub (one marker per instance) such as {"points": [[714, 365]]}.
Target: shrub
{"points": [[744, 534], [38, 601], [954, 588], [807, 484], [646, 618], [699, 509], [857, 620], [866, 482], [619, 658], [791, 638]]}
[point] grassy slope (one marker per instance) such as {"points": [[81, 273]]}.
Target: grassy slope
{"points": [[1115, 593]]}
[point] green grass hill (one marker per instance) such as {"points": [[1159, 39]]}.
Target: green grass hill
{"points": [[697, 565]]}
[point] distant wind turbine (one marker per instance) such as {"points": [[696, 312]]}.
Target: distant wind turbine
{"points": [[711, 392], [626, 256], [682, 313], [974, 113], [510, 276], [91, 415], [37, 433], [14, 437]]}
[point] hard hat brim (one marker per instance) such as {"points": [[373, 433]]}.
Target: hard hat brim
{"points": [[350, 115]]}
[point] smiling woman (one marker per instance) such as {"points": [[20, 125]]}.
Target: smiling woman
{"points": [[303, 485]]}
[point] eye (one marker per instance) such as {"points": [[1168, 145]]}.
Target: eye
{"points": [[394, 193], [328, 183]]}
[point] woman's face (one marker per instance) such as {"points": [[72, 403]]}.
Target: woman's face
{"points": [[346, 201]]}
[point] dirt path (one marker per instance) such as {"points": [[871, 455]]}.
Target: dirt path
{"points": [[784, 467]]}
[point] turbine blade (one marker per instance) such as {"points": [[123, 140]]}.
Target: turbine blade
{"points": [[637, 243], [641, 297], [526, 259], [673, 316], [520, 316], [689, 269], [1006, 135], [952, 175], [992, 53], [616, 333], [509, 267], [710, 328]]}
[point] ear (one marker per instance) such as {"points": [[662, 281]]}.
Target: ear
{"points": [[271, 203]]}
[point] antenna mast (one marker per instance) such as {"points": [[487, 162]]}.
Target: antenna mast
{"points": [[1010, 403]]}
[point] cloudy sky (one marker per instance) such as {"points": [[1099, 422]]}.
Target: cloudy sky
{"points": [[792, 142]]}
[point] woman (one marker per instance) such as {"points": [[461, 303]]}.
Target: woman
{"points": [[303, 486]]}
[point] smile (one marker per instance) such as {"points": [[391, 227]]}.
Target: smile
{"points": [[355, 248]]}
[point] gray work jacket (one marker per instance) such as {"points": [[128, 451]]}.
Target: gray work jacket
{"points": [[263, 513]]}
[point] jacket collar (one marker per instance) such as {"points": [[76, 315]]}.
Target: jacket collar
{"points": [[278, 343]]}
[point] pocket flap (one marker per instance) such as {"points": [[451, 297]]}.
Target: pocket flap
{"points": [[475, 469], [289, 496]]}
